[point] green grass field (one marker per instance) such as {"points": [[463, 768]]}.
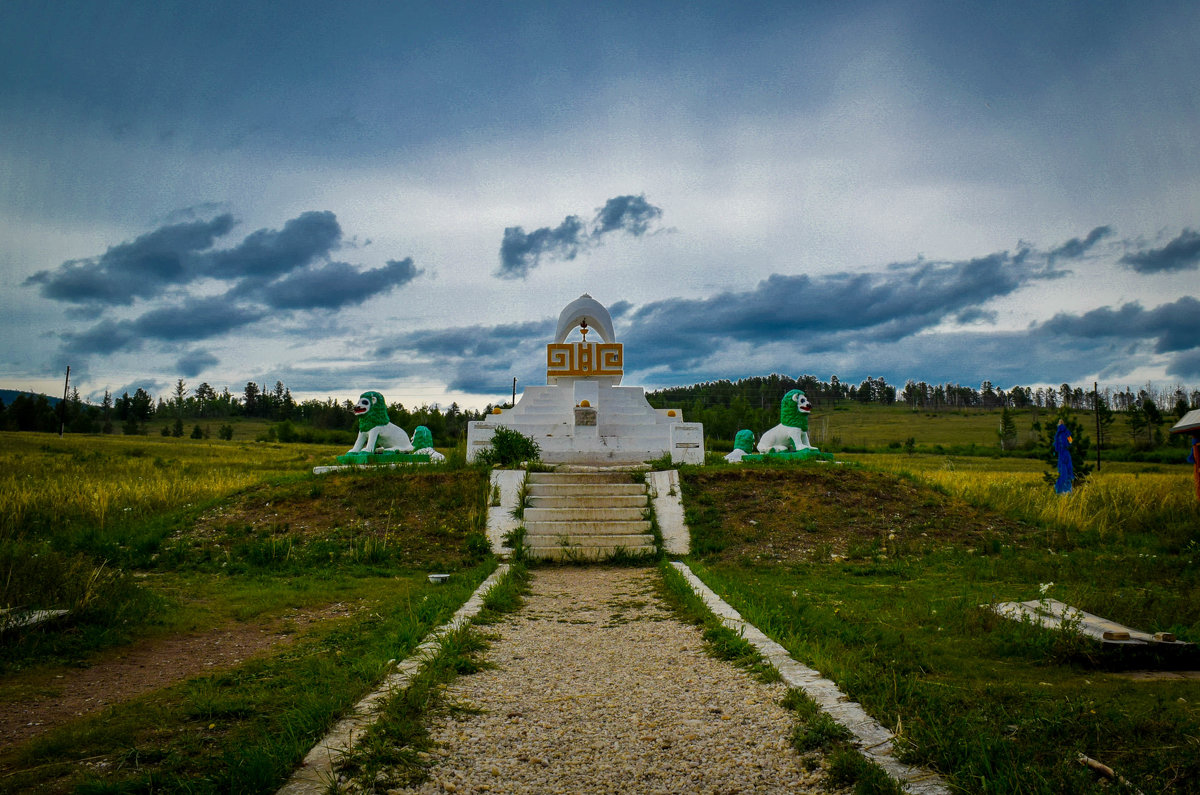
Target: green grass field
{"points": [[880, 583], [876, 427], [145, 538], [872, 571]]}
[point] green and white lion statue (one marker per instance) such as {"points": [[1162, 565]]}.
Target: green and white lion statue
{"points": [[792, 431], [422, 439], [375, 429], [743, 444]]}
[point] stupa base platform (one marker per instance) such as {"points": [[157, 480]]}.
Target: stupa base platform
{"points": [[604, 458]]}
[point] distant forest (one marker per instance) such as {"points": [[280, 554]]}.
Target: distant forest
{"points": [[723, 406], [184, 409], [727, 406]]}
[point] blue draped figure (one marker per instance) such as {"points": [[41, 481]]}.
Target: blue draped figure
{"points": [[1066, 469], [1194, 460]]}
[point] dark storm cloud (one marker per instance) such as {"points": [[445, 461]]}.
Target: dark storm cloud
{"points": [[495, 376], [521, 251], [972, 357], [1075, 248], [270, 274], [976, 315], [1172, 327], [471, 341], [178, 254], [194, 319], [956, 357], [480, 358], [619, 309], [1182, 253], [884, 323], [336, 285], [193, 363], [269, 252], [632, 214], [791, 317], [107, 336], [142, 268], [1185, 365], [807, 311]]}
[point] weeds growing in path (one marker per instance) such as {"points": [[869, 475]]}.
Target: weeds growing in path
{"points": [[392, 751], [816, 736]]}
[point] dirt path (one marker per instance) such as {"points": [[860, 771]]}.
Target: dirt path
{"points": [[598, 688], [64, 694]]}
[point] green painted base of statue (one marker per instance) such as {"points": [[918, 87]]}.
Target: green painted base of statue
{"points": [[807, 454], [384, 457]]}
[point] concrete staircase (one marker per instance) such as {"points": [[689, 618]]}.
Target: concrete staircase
{"points": [[586, 516]]}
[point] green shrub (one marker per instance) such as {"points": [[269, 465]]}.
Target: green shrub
{"points": [[509, 449], [478, 546]]}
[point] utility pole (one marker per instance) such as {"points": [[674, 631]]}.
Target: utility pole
{"points": [[63, 424], [514, 391], [1096, 408]]}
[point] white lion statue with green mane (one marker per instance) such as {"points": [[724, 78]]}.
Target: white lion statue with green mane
{"points": [[375, 428], [792, 431]]}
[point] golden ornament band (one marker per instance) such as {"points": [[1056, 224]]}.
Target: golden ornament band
{"points": [[584, 359]]}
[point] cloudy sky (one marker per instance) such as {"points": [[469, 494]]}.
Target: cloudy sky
{"points": [[403, 196]]}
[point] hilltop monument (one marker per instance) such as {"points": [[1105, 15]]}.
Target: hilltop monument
{"points": [[583, 415]]}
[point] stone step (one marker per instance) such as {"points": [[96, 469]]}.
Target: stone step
{"points": [[578, 513], [586, 516], [584, 489], [586, 528], [602, 501], [591, 553], [580, 477], [627, 540]]}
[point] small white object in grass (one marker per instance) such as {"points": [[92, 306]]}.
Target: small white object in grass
{"points": [[438, 579]]}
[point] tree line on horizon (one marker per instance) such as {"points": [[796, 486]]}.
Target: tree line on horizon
{"points": [[131, 414], [723, 406]]}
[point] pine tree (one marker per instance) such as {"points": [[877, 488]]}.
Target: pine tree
{"points": [[1138, 423], [250, 404], [1106, 418], [1008, 430], [106, 408]]}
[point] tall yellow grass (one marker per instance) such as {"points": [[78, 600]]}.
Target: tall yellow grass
{"points": [[1109, 502], [99, 480]]}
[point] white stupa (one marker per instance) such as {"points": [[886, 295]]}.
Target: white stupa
{"points": [[583, 415]]}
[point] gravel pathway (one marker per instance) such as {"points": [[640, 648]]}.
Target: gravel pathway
{"points": [[598, 688]]}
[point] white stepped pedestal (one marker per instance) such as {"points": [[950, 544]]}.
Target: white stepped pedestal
{"points": [[621, 428]]}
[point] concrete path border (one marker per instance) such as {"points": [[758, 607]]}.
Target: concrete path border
{"points": [[666, 496], [500, 519], [315, 773], [874, 741]]}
